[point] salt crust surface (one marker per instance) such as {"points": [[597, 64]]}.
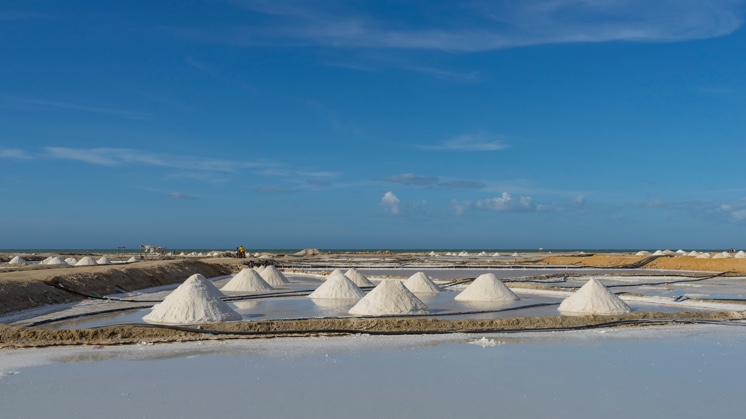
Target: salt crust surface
{"points": [[195, 301], [338, 287], [247, 281], [104, 261], [594, 298], [387, 298], [419, 283], [487, 288], [359, 279], [273, 276], [86, 261]]}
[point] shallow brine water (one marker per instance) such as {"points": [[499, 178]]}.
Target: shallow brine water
{"points": [[693, 371]]}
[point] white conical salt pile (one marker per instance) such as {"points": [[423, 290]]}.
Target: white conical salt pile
{"points": [[433, 254], [487, 288], [703, 255], [594, 298], [338, 287], [390, 297], [273, 276], [195, 301], [419, 283], [247, 281], [680, 252], [722, 255], [668, 252], [642, 253], [18, 260], [449, 254], [104, 261], [727, 254], [693, 253], [45, 261], [259, 268], [740, 255], [496, 254], [335, 273], [71, 261], [463, 254], [659, 253], [86, 261], [482, 254], [256, 255], [357, 278], [56, 261], [515, 254], [132, 259]]}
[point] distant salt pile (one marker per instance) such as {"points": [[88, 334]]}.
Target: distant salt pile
{"points": [[104, 261], [464, 254], [703, 255], [642, 253], [669, 252], [496, 254], [256, 255], [659, 253], [273, 276], [132, 259], [390, 297], [419, 283], [680, 252], [722, 255], [449, 254], [71, 261], [247, 281], [338, 287], [594, 298], [259, 268], [335, 273], [86, 261], [56, 261], [487, 288], [515, 255], [193, 302], [483, 254], [357, 278], [46, 260], [18, 260], [740, 255], [432, 254], [693, 253]]}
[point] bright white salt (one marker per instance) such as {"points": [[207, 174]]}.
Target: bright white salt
{"points": [[247, 281], [496, 254], [487, 288], [703, 255], [659, 253], [693, 253], [390, 297], [132, 259], [740, 255], [193, 302], [419, 283], [56, 261], [86, 261], [259, 268], [338, 287], [593, 298], [273, 276], [104, 261], [642, 253], [18, 261], [359, 279], [71, 261]]}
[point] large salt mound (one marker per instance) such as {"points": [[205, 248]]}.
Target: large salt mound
{"points": [[464, 254], [433, 254], [594, 298], [642, 253], [359, 279], [104, 261], [273, 276], [703, 255], [86, 261], [338, 287], [496, 254], [335, 273], [693, 253], [419, 283], [259, 268], [56, 261], [740, 255], [71, 261], [390, 297], [18, 261], [195, 301], [680, 252], [132, 259], [722, 255], [247, 281], [659, 253], [487, 288]]}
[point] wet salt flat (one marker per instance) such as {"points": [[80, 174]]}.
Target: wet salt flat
{"points": [[692, 371]]}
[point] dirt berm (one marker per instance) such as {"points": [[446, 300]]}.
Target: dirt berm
{"points": [[21, 290]]}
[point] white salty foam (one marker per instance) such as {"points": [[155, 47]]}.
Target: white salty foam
{"points": [[338, 287], [359, 279], [104, 261], [18, 260], [273, 276], [247, 281], [593, 298], [487, 288], [193, 302], [86, 261], [419, 283], [390, 297]]}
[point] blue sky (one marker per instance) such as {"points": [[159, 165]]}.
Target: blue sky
{"points": [[337, 124]]}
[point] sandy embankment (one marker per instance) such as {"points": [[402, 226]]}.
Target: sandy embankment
{"points": [[25, 289], [682, 263]]}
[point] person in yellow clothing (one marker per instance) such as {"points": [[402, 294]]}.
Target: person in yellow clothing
{"points": [[241, 252]]}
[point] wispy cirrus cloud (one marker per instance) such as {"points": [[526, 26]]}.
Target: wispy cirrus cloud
{"points": [[36, 104], [468, 142], [479, 25], [13, 153]]}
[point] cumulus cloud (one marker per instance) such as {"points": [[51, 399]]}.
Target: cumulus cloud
{"points": [[391, 203], [506, 203]]}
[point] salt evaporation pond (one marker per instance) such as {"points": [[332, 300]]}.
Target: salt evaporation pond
{"points": [[691, 371]]}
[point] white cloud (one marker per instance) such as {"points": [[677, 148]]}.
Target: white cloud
{"points": [[391, 203], [468, 142], [506, 203], [460, 207], [13, 153]]}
